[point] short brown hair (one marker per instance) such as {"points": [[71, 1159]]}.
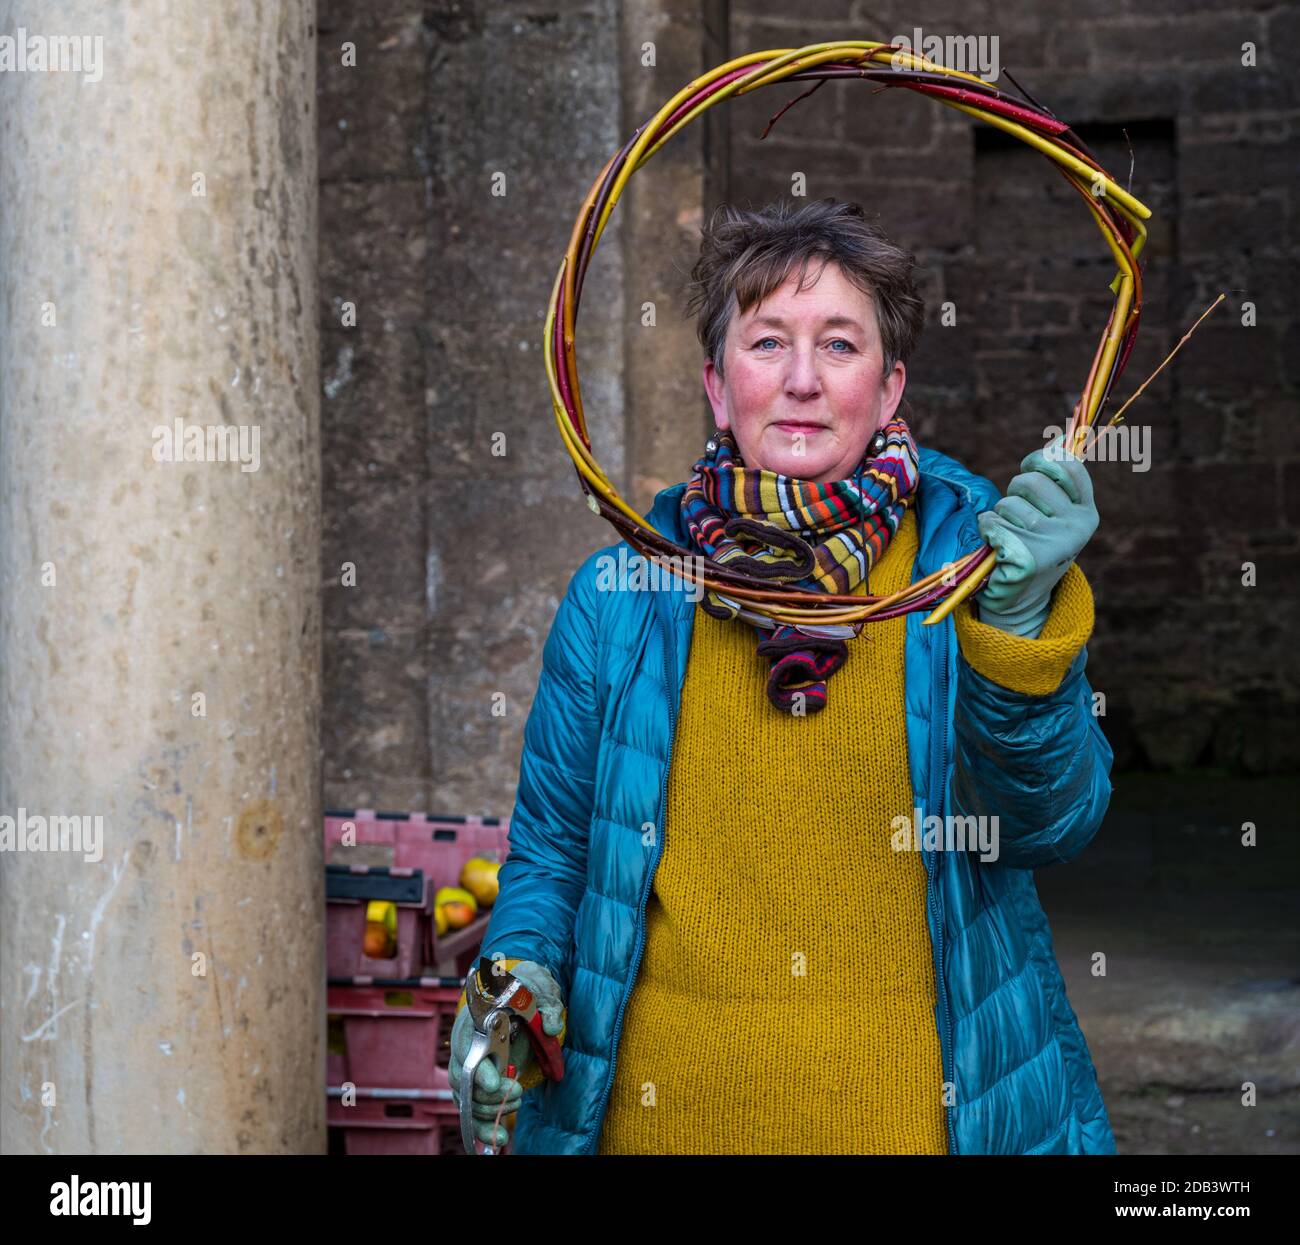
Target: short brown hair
{"points": [[745, 256]]}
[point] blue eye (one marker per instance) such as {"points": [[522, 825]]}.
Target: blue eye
{"points": [[851, 349]]}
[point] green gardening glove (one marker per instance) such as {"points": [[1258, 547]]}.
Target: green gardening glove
{"points": [[1036, 531], [491, 1086]]}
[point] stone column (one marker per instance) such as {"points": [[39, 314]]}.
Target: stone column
{"points": [[665, 45], [163, 986]]}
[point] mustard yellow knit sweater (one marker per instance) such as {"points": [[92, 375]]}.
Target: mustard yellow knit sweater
{"points": [[785, 998]]}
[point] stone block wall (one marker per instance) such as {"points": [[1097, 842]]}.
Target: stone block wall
{"points": [[454, 154]]}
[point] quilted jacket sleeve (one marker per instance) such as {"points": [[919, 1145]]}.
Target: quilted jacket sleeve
{"points": [[1029, 749], [545, 871]]}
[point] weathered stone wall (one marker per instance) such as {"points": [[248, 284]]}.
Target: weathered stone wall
{"points": [[1197, 668], [445, 208], [461, 555]]}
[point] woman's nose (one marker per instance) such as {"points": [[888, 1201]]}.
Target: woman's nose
{"points": [[802, 377]]}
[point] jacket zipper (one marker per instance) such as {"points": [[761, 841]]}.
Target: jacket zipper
{"points": [[945, 1037], [670, 649], [670, 652]]}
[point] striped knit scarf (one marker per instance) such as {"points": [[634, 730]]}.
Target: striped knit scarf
{"points": [[826, 537]]}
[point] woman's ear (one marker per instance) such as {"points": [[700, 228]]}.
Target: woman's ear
{"points": [[892, 391], [717, 394]]}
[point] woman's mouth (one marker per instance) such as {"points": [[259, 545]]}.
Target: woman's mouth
{"points": [[799, 426]]}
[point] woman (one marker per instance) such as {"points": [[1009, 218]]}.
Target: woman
{"points": [[714, 857]]}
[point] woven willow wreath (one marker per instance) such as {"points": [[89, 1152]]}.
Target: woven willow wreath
{"points": [[1118, 214]]}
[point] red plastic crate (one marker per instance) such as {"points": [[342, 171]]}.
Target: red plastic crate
{"points": [[397, 1123], [345, 929], [395, 1036], [438, 845]]}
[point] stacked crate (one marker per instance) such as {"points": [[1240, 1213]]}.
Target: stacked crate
{"points": [[390, 1020]]}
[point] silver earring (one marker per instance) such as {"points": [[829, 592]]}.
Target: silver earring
{"points": [[878, 443], [711, 445]]}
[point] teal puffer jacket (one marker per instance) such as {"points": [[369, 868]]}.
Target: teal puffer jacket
{"points": [[594, 774]]}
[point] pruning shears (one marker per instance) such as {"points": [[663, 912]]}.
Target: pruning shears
{"points": [[501, 1007]]}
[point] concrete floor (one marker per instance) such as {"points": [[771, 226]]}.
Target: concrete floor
{"points": [[1201, 991]]}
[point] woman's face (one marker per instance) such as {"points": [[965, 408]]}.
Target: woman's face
{"points": [[803, 393]]}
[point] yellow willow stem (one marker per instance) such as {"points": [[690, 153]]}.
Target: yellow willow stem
{"points": [[771, 67], [1114, 192], [967, 586], [820, 615], [1140, 241], [570, 278], [1121, 260], [1118, 327], [635, 156], [586, 464], [576, 447], [791, 60]]}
